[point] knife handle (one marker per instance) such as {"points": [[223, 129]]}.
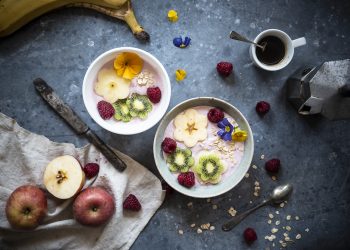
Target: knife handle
{"points": [[118, 163]]}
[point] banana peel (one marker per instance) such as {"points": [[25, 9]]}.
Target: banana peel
{"points": [[16, 13]]}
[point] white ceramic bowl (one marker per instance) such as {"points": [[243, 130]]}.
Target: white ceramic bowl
{"points": [[91, 99], [230, 181]]}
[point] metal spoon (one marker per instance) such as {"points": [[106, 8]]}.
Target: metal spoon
{"points": [[235, 36], [278, 195]]}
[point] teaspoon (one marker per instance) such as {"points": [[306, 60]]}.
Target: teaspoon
{"points": [[235, 36], [278, 195]]}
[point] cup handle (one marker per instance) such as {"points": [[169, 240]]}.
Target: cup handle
{"points": [[299, 42]]}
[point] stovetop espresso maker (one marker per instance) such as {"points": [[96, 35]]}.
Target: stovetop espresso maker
{"points": [[322, 90]]}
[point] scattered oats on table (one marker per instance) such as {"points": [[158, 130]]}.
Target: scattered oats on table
{"points": [[215, 206], [262, 157], [288, 228], [285, 234], [254, 166], [307, 230], [274, 230], [273, 178], [269, 221], [211, 228], [277, 222], [277, 212], [208, 200], [288, 217], [256, 194], [246, 175], [298, 236], [193, 225], [232, 211], [199, 231], [181, 231], [190, 204], [271, 216], [297, 218], [205, 226], [282, 204]]}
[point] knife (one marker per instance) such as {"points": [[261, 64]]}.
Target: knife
{"points": [[76, 123]]}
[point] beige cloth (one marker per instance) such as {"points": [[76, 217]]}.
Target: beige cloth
{"points": [[23, 158]]}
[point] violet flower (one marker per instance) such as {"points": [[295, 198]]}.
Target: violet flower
{"points": [[226, 130]]}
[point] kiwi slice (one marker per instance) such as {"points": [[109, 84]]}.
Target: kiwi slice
{"points": [[209, 168], [139, 105], [180, 160], [122, 111]]}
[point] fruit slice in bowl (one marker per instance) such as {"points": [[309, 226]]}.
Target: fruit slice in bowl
{"points": [[207, 137]]}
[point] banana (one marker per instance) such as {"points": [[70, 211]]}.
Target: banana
{"points": [[16, 13]]}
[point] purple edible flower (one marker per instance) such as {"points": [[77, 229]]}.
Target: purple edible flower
{"points": [[178, 42], [226, 130]]}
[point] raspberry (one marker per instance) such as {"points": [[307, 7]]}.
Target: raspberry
{"points": [[249, 235], [91, 170], [132, 203], [224, 68], [165, 186], [186, 179], [168, 145], [262, 107], [215, 115], [105, 109], [154, 94], [273, 165]]}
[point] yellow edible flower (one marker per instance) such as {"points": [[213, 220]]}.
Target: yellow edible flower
{"points": [[128, 65], [180, 74], [172, 16], [239, 135]]}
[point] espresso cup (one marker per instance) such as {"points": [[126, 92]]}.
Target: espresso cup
{"points": [[288, 43]]}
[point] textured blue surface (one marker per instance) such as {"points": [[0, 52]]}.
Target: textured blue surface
{"points": [[315, 153]]}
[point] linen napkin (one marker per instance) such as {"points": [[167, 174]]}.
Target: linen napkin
{"points": [[23, 158]]}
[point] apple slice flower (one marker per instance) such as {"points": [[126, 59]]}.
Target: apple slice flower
{"points": [[110, 86], [190, 127], [128, 65]]}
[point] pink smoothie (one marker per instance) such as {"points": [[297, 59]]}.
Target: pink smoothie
{"points": [[135, 88], [230, 152]]}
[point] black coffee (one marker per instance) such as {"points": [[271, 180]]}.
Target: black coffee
{"points": [[274, 51]]}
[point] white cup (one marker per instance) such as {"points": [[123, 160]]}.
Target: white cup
{"points": [[289, 49]]}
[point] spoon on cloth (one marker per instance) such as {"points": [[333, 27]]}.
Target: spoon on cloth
{"points": [[235, 36], [278, 195]]}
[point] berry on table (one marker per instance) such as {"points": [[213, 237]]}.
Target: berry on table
{"points": [[224, 68]]}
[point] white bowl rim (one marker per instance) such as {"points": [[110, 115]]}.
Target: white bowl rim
{"points": [[187, 191], [158, 116]]}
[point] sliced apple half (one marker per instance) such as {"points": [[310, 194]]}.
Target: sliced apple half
{"points": [[63, 177]]}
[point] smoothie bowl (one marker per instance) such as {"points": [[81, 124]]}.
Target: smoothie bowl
{"points": [[203, 147], [126, 90]]}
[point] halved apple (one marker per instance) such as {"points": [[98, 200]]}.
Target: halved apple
{"points": [[63, 177]]}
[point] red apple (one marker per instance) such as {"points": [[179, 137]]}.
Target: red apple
{"points": [[94, 206], [26, 207]]}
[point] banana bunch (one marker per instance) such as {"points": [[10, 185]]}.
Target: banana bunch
{"points": [[16, 13]]}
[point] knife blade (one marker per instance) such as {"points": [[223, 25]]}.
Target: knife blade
{"points": [[76, 123]]}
